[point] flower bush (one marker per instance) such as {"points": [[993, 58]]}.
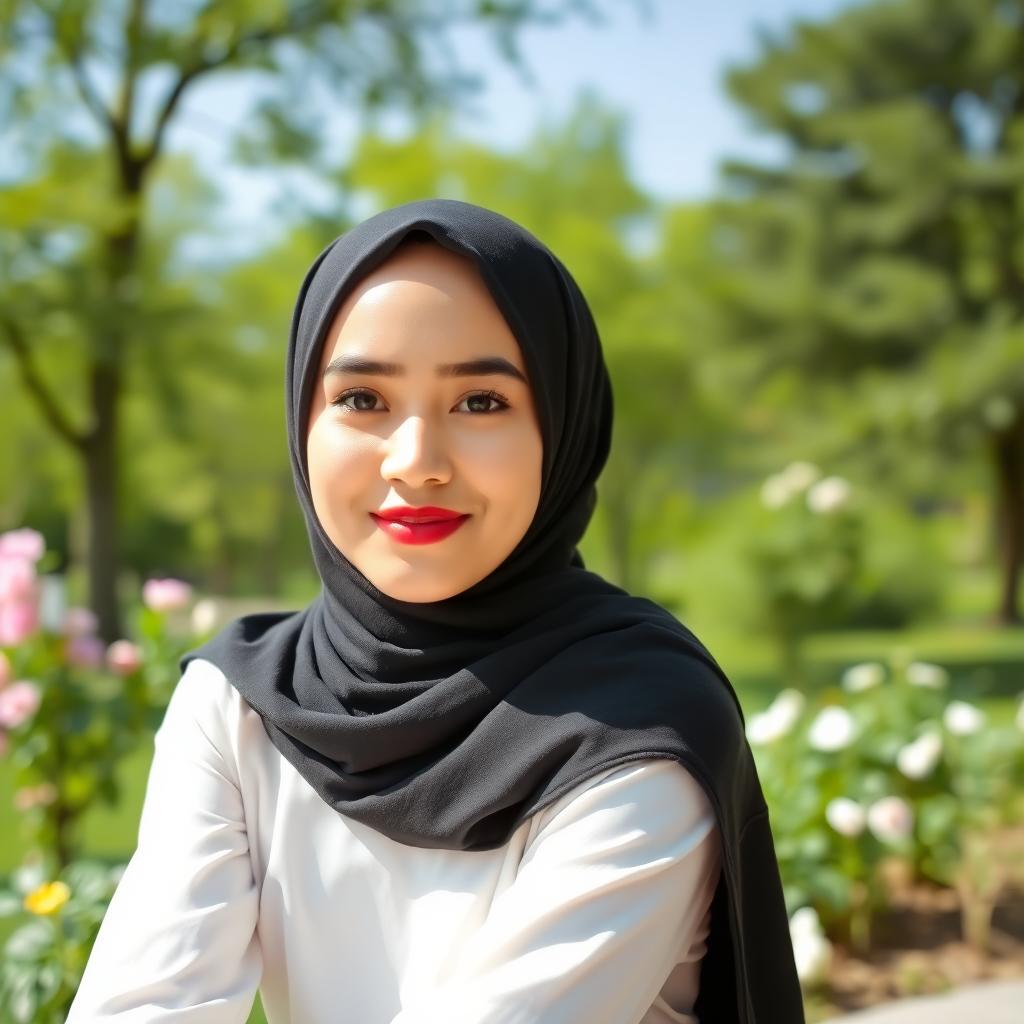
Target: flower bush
{"points": [[71, 708], [44, 959], [824, 554], [805, 550], [880, 775]]}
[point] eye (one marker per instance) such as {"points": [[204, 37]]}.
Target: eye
{"points": [[363, 400], [485, 397], [341, 400]]}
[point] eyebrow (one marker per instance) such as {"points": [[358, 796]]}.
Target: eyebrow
{"points": [[485, 366]]}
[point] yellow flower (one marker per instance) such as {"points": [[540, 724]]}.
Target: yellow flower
{"points": [[47, 898]]}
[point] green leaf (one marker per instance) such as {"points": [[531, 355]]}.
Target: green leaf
{"points": [[23, 1001], [10, 903], [32, 941]]}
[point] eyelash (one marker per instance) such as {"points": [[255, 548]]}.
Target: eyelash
{"points": [[501, 399]]}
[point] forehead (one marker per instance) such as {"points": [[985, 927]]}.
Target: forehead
{"points": [[422, 292]]}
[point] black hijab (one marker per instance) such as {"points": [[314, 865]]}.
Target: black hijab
{"points": [[446, 724]]}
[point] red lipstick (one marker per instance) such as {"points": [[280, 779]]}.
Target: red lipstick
{"points": [[423, 525]]}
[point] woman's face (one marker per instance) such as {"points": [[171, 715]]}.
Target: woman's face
{"points": [[429, 429]]}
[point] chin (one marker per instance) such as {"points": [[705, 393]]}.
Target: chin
{"points": [[416, 591]]}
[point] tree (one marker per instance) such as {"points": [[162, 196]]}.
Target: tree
{"points": [[84, 250], [883, 259]]}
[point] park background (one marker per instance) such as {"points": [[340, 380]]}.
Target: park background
{"points": [[800, 226]]}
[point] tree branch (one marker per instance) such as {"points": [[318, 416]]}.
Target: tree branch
{"points": [[88, 94], [298, 21], [134, 28], [36, 388]]}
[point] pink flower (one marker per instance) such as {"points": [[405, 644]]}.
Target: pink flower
{"points": [[124, 657], [79, 622], [18, 702], [166, 595], [26, 543], [17, 579], [891, 819], [5, 670], [30, 796], [84, 651], [18, 621]]}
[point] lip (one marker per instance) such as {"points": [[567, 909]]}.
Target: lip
{"points": [[424, 532], [411, 514]]}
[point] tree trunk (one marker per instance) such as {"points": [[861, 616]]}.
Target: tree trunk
{"points": [[1008, 456], [100, 464], [105, 379]]}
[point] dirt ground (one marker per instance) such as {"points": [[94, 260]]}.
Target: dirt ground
{"points": [[917, 948]]}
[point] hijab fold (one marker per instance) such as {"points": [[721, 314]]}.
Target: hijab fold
{"points": [[447, 724]]}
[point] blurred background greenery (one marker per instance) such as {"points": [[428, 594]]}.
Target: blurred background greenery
{"points": [[818, 359]]}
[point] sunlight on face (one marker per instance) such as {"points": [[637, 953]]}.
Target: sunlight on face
{"points": [[470, 443]]}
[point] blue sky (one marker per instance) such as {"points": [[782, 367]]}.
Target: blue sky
{"points": [[665, 73]]}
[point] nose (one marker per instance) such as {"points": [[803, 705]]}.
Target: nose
{"points": [[416, 454]]}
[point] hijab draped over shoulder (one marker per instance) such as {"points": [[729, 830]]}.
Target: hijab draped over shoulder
{"points": [[447, 724]]}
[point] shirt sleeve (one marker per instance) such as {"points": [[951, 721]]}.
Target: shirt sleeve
{"points": [[178, 941], [610, 895]]}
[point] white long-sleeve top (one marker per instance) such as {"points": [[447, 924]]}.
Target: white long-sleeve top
{"points": [[595, 910]]}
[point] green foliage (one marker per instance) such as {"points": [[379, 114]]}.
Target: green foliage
{"points": [[45, 957], [806, 547], [879, 266], [82, 709], [73, 711], [883, 767]]}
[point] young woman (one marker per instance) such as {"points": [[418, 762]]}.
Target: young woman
{"points": [[473, 782]]}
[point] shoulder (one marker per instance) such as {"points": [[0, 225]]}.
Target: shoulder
{"points": [[203, 692], [204, 717], [654, 802]]}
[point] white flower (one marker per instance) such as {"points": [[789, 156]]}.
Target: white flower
{"points": [[800, 475], [28, 877], [918, 759], [923, 673], [811, 950], [846, 816], [890, 819], [863, 676], [205, 615], [780, 487], [963, 719], [828, 495], [832, 729], [775, 492], [777, 719], [1020, 715]]}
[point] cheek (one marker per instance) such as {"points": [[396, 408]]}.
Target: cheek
{"points": [[337, 460], [508, 469]]}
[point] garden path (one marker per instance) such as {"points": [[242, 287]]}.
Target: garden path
{"points": [[992, 1002]]}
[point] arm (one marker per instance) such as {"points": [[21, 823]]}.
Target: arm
{"points": [[609, 896], [178, 941]]}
